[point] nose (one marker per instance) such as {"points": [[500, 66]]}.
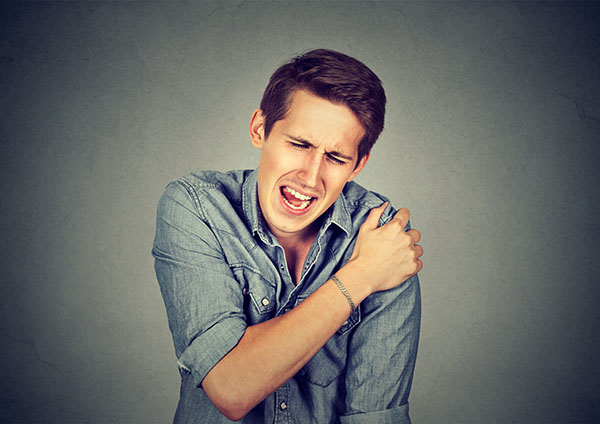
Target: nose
{"points": [[311, 169]]}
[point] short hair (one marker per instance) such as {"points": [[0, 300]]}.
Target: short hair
{"points": [[333, 76]]}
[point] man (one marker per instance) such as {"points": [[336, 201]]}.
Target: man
{"points": [[291, 291]]}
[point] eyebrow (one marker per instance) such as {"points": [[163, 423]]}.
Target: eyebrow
{"points": [[309, 144]]}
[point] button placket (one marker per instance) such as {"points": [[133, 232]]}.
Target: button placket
{"points": [[282, 402]]}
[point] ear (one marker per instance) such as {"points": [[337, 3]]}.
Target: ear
{"points": [[359, 167], [257, 128]]}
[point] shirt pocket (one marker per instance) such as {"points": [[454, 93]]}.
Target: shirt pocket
{"points": [[259, 294], [330, 361]]}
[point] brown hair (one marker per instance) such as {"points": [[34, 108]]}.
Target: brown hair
{"points": [[336, 77]]}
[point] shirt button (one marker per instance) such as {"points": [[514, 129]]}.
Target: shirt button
{"points": [[282, 267], [244, 291], [345, 323], [265, 301], [283, 405]]}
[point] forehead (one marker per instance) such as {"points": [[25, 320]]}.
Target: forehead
{"points": [[322, 122]]}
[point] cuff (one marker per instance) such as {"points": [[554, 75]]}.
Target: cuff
{"points": [[210, 347], [398, 415]]}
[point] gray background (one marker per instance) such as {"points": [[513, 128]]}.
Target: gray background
{"points": [[492, 140]]}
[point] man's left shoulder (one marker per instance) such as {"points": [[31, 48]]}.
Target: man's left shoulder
{"points": [[360, 200], [361, 197]]}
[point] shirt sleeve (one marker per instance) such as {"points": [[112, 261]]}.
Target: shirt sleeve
{"points": [[382, 355], [204, 301]]}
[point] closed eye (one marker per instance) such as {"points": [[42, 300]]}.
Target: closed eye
{"points": [[305, 145], [299, 145], [336, 160]]}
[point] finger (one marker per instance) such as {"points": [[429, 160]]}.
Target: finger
{"points": [[418, 251], [372, 220], [419, 266], [415, 235], [402, 216]]}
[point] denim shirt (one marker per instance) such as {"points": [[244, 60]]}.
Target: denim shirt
{"points": [[221, 270]]}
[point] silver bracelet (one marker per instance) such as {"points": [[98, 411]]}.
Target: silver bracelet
{"points": [[343, 289]]}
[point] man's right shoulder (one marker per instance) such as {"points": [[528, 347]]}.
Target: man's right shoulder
{"points": [[231, 181], [208, 184], [211, 195]]}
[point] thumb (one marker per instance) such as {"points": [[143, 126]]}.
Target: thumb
{"points": [[372, 220]]}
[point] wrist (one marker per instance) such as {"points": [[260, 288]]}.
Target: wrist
{"points": [[355, 281], [342, 288]]}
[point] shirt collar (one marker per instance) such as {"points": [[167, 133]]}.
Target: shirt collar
{"points": [[251, 208], [337, 214]]}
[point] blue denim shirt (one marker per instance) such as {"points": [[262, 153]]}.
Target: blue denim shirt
{"points": [[221, 270]]}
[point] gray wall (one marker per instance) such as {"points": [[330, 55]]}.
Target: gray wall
{"points": [[492, 140]]}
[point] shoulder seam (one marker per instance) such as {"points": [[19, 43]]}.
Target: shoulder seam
{"points": [[193, 194]]}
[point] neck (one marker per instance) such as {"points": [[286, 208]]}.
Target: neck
{"points": [[293, 240]]}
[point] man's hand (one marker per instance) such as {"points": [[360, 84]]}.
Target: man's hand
{"points": [[387, 256]]}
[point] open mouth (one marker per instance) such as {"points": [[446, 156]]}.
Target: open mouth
{"points": [[295, 200]]}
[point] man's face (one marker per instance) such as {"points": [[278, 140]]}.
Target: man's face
{"points": [[305, 162]]}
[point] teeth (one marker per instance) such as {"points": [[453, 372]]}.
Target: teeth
{"points": [[297, 195], [301, 206]]}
